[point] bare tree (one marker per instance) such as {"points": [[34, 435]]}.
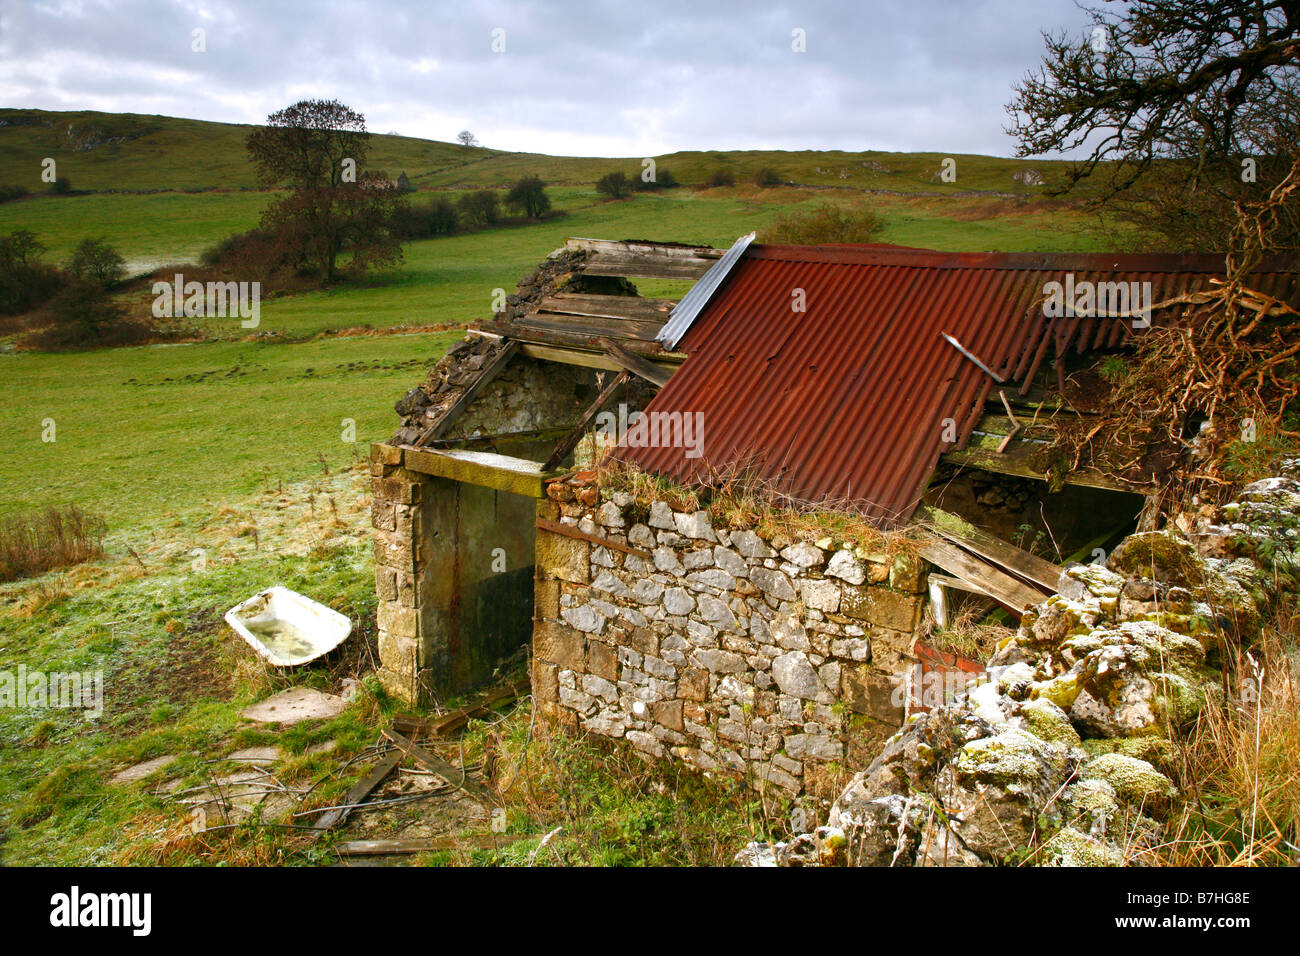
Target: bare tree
{"points": [[1183, 108], [466, 138]]}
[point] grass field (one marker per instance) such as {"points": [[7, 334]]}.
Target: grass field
{"points": [[145, 433]]}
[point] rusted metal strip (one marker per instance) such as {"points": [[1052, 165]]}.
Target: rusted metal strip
{"points": [[570, 531]]}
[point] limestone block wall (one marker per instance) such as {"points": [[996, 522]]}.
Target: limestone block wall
{"points": [[397, 518], [722, 648]]}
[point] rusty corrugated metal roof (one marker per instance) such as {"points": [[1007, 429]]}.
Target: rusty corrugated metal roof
{"points": [[847, 401]]}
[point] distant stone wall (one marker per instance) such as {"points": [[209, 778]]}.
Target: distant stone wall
{"points": [[716, 647]]}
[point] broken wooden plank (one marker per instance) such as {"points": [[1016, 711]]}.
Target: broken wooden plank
{"points": [[415, 727], [639, 265], [569, 530], [990, 547], [618, 307], [947, 581], [994, 582], [671, 250], [1013, 462], [430, 845], [453, 411], [572, 347], [360, 790], [570, 441], [455, 776], [589, 327], [637, 365]]}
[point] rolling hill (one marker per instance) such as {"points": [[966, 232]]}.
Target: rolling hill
{"points": [[126, 152]]}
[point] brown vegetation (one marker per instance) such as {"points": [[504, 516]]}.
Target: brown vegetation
{"points": [[32, 545]]}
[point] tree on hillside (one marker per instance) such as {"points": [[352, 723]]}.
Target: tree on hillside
{"points": [[466, 138], [479, 207], [25, 281], [528, 198], [1181, 108], [21, 247], [615, 185], [94, 260], [317, 149]]}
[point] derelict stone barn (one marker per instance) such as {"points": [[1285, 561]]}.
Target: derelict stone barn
{"points": [[914, 389]]}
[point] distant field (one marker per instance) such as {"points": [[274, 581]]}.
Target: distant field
{"points": [[451, 279], [146, 229], [144, 434]]}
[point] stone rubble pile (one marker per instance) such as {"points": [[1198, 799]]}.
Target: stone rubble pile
{"points": [[1064, 755]]}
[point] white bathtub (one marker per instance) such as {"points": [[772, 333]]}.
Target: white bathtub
{"points": [[286, 628]]}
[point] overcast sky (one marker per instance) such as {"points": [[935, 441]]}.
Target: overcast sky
{"points": [[630, 78]]}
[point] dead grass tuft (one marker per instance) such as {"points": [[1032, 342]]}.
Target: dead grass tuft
{"points": [[1240, 769]]}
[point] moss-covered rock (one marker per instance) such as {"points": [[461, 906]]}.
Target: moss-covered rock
{"points": [[1069, 847], [1157, 751], [1135, 781], [1048, 722]]}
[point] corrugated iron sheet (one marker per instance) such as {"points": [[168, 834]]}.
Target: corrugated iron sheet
{"points": [[688, 309], [847, 401]]}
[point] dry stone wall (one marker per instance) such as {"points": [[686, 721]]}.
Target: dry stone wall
{"points": [[1067, 754], [719, 647]]}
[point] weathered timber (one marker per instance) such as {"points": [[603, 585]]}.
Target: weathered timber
{"points": [[670, 250], [1013, 462], [586, 326], [359, 791], [630, 307], [633, 265], [1002, 553], [415, 727], [455, 776], [431, 845], [518, 476], [569, 441], [571, 341], [637, 365], [570, 531], [486, 374], [994, 582]]}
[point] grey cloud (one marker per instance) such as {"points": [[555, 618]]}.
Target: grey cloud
{"points": [[630, 77]]}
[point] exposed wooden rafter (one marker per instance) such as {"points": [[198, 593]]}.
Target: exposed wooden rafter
{"points": [[486, 375], [642, 367], [990, 547], [979, 573], [570, 441]]}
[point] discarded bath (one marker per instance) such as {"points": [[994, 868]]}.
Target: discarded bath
{"points": [[286, 628]]}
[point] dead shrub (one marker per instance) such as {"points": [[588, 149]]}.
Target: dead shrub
{"points": [[34, 544], [825, 223]]}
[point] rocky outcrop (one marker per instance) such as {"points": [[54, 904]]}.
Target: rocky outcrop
{"points": [[1063, 756]]}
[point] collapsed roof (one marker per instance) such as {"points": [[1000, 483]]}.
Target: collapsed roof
{"points": [[837, 374], [841, 374]]}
